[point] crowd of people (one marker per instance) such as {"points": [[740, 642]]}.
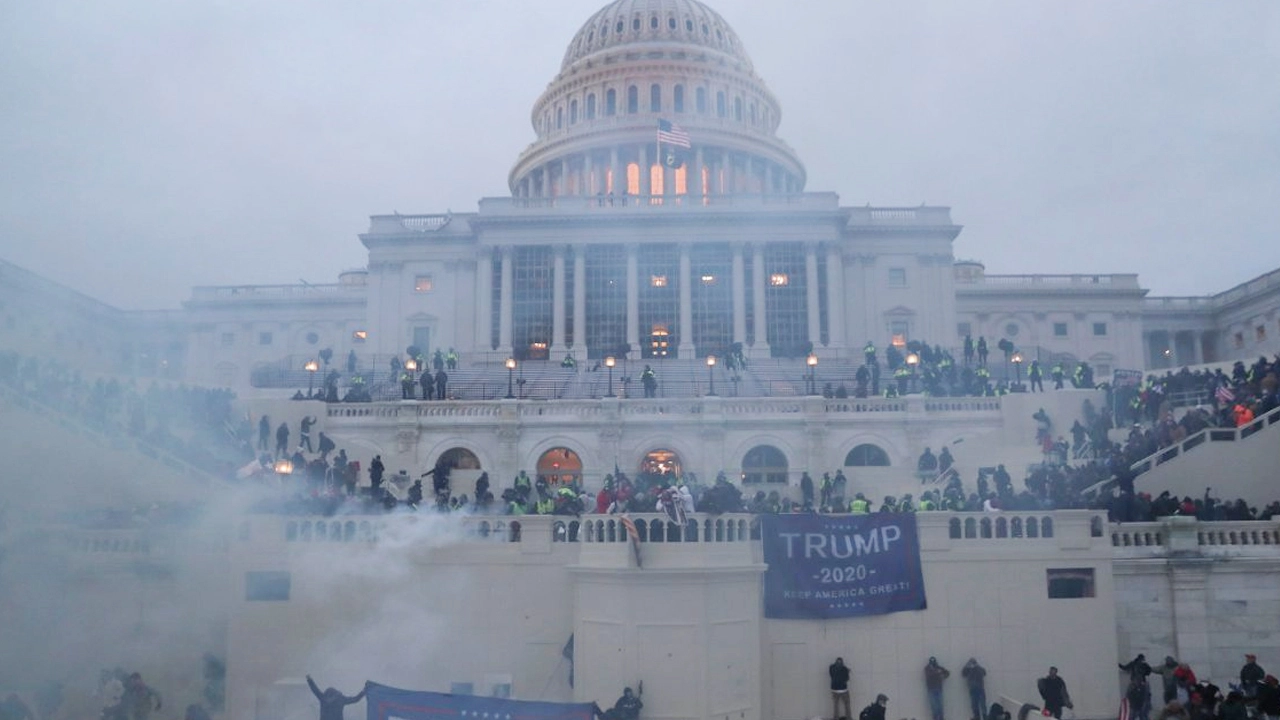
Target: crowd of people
{"points": [[1186, 697]]}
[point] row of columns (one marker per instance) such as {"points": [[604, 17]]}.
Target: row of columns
{"points": [[583, 175], [1184, 347], [685, 347]]}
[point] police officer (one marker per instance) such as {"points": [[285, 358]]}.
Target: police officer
{"points": [[869, 353], [859, 505]]}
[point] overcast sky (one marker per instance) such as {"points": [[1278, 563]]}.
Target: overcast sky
{"points": [[152, 145]]}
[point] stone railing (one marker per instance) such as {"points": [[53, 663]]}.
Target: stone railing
{"points": [[904, 216], [1208, 435], [227, 293], [1181, 536], [1128, 281], [577, 204]]}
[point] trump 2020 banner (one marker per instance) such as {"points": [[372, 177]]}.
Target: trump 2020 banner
{"points": [[833, 566]]}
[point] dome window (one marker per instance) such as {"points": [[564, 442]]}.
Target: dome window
{"points": [[559, 118], [720, 106], [671, 23], [619, 27], [591, 36], [611, 102], [705, 31], [688, 25], [737, 109], [719, 35], [753, 113], [633, 100], [591, 107], [635, 24], [655, 98], [653, 23], [573, 111], [604, 31], [678, 99], [700, 100]]}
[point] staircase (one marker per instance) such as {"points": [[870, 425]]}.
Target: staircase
{"points": [[1217, 455]]}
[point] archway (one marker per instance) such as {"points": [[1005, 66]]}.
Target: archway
{"points": [[461, 468], [867, 455], [764, 464], [661, 465], [560, 465]]}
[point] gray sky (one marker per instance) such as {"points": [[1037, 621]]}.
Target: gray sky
{"points": [[149, 146]]}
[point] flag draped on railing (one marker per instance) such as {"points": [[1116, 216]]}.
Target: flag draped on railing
{"points": [[634, 534]]}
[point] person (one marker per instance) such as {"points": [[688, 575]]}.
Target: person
{"points": [[928, 463], [332, 702], [945, 461], [282, 440], [628, 706], [326, 446], [442, 380], [1053, 690], [1234, 707], [1268, 694], [428, 383], [1166, 674], [376, 469], [806, 489], [264, 433], [875, 711], [839, 673], [451, 359], [968, 360], [1251, 676], [650, 382], [139, 699], [982, 350], [1036, 376], [934, 676], [304, 432], [975, 677], [406, 386]]}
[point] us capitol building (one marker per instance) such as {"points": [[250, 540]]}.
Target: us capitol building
{"points": [[614, 246]]}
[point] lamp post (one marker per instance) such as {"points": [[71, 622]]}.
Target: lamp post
{"points": [[1017, 366], [511, 374], [913, 359], [609, 362], [411, 365], [284, 466], [711, 375], [311, 367], [812, 363]]}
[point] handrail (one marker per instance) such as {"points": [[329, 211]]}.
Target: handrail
{"points": [[1208, 435]]}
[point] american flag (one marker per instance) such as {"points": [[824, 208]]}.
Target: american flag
{"points": [[672, 134], [634, 535], [1124, 709], [1224, 394]]}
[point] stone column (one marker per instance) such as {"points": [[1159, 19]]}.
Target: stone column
{"points": [[565, 190], [811, 293], [588, 182], [693, 183], [768, 177], [484, 300], [557, 302], [739, 297], [633, 299], [685, 348], [580, 302], [506, 309], [835, 297], [645, 189], [617, 186], [761, 346]]}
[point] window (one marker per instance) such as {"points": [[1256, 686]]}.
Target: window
{"points": [[591, 106], [764, 464], [635, 24], [899, 329], [611, 102], [655, 98], [678, 99], [266, 586], [737, 109], [422, 284], [633, 100], [720, 106], [573, 111], [897, 277], [671, 23], [1100, 329], [1011, 329], [1238, 340], [1059, 329], [658, 281], [1070, 583], [688, 25], [312, 338], [1261, 333], [228, 339], [264, 338], [559, 118], [867, 455], [700, 100], [964, 328], [779, 279], [653, 23]]}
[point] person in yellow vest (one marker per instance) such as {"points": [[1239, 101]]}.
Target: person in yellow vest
{"points": [[859, 505]]}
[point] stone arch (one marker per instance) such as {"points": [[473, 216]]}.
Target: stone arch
{"points": [[689, 457], [867, 455], [560, 465], [896, 451], [590, 463], [427, 457], [739, 451], [765, 464]]}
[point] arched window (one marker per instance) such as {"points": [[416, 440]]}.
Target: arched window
{"points": [[764, 464], [953, 528], [700, 100], [653, 23], [867, 455], [573, 111], [671, 23], [655, 98], [678, 99], [633, 100], [753, 113], [611, 102], [635, 24], [720, 106], [591, 106], [737, 109], [560, 466], [661, 463], [559, 118]]}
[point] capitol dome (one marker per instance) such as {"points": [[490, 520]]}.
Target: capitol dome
{"points": [[633, 65]]}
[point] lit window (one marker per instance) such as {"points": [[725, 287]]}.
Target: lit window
{"points": [[360, 336], [264, 338], [422, 284], [708, 279], [1070, 583], [779, 280], [899, 329], [1100, 329], [228, 338], [658, 281], [1059, 329], [897, 277]]}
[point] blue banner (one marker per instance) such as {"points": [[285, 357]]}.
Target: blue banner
{"points": [[386, 703], [833, 566]]}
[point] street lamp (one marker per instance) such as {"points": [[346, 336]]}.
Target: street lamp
{"points": [[511, 373], [812, 362], [284, 466], [411, 365], [609, 362], [1017, 365], [913, 359], [311, 367], [711, 374]]}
